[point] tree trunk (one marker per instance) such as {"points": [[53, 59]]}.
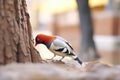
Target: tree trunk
{"points": [[88, 50], [16, 44]]}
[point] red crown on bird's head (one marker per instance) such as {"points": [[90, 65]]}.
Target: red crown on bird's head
{"points": [[43, 39]]}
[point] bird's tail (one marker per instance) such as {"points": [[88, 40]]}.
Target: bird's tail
{"points": [[77, 59]]}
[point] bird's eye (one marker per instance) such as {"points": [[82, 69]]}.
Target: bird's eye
{"points": [[37, 39]]}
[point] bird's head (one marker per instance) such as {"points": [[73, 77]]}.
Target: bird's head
{"points": [[43, 39]]}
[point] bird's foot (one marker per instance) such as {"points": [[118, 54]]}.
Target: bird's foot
{"points": [[50, 60], [59, 61], [53, 60]]}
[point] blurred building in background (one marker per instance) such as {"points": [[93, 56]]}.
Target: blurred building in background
{"points": [[60, 17]]}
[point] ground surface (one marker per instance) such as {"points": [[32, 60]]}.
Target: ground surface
{"points": [[68, 70]]}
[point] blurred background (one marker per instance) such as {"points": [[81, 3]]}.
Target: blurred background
{"points": [[61, 17]]}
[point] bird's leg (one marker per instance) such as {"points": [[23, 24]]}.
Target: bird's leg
{"points": [[61, 58], [53, 56]]}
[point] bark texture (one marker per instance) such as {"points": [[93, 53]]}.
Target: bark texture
{"points": [[88, 50], [16, 44]]}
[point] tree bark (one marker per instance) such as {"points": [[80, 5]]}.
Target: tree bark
{"points": [[15, 33], [88, 50]]}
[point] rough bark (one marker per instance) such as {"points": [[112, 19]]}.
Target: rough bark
{"points": [[15, 33], [88, 51]]}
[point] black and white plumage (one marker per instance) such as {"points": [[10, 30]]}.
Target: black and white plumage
{"points": [[60, 47]]}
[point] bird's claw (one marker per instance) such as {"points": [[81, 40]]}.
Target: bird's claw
{"points": [[58, 61], [53, 60]]}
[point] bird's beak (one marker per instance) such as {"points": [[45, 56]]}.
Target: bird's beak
{"points": [[35, 44]]}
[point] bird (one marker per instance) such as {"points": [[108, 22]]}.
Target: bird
{"points": [[57, 45]]}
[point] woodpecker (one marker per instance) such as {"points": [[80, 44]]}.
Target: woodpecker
{"points": [[57, 45]]}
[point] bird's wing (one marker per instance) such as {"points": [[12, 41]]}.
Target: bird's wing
{"points": [[61, 46], [65, 42]]}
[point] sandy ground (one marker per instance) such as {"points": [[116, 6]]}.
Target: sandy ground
{"points": [[57, 70]]}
